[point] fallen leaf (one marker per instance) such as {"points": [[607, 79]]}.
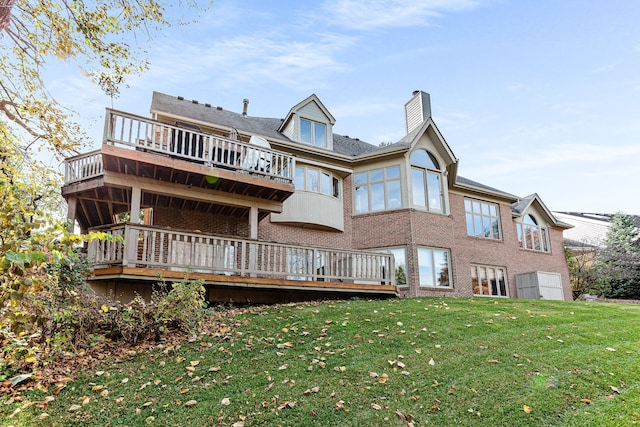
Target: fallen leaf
{"points": [[432, 362], [492, 361], [97, 387], [383, 378], [616, 389], [194, 362], [340, 404], [190, 403], [285, 345], [376, 406], [73, 408], [611, 349], [526, 409], [43, 416], [586, 400], [238, 424], [289, 404], [149, 420], [226, 401]]}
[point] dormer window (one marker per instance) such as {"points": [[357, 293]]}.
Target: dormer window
{"points": [[313, 132]]}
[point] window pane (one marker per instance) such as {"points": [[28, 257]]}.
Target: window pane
{"points": [[486, 226], [543, 237], [361, 178], [325, 185], [320, 135], [495, 228], [501, 282], [474, 280], [469, 224], [299, 181], [305, 130], [425, 267], [377, 196], [484, 285], [400, 259], [485, 209], [493, 285], [393, 172], [467, 205], [433, 181], [375, 175], [394, 199], [362, 199], [476, 207], [442, 267], [422, 158], [418, 187], [519, 231], [477, 219], [312, 180], [492, 210]]}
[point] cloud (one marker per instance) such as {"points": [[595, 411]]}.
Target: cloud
{"points": [[373, 14], [289, 61]]}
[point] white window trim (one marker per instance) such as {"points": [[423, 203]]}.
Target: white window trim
{"points": [[313, 133], [435, 286], [543, 235], [332, 178], [486, 267], [385, 188], [482, 215]]}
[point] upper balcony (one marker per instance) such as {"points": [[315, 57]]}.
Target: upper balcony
{"points": [[174, 164]]}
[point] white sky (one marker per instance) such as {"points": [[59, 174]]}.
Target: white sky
{"points": [[532, 95]]}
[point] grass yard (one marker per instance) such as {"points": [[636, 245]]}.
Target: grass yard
{"points": [[415, 362]]}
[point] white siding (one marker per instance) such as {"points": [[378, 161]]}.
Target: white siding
{"points": [[305, 207], [539, 285]]}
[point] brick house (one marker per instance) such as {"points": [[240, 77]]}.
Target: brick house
{"points": [[266, 209]]}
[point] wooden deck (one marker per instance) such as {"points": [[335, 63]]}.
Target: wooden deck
{"points": [[124, 283]]}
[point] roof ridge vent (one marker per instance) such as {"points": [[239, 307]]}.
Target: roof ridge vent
{"points": [[181, 98], [195, 101], [207, 105]]}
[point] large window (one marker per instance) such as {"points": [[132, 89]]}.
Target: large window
{"points": [[426, 181], [378, 189], [531, 235], [313, 132], [434, 267], [400, 260], [317, 180], [483, 219], [489, 281]]}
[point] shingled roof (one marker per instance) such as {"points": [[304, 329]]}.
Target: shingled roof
{"points": [[262, 126]]}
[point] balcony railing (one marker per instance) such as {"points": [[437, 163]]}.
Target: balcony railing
{"points": [[181, 141], [135, 245]]}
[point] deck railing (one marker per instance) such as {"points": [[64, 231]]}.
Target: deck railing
{"points": [[157, 247], [181, 141]]}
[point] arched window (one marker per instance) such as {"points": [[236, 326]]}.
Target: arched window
{"points": [[426, 181], [531, 235]]}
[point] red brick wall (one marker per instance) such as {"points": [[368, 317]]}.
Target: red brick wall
{"points": [[406, 227], [205, 222]]}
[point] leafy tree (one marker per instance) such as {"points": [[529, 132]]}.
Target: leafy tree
{"points": [[619, 261], [95, 34], [581, 258]]}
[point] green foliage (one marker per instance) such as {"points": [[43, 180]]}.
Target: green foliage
{"points": [[179, 309], [183, 307], [102, 38], [619, 262]]}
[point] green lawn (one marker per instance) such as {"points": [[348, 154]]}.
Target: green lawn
{"points": [[423, 361]]}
